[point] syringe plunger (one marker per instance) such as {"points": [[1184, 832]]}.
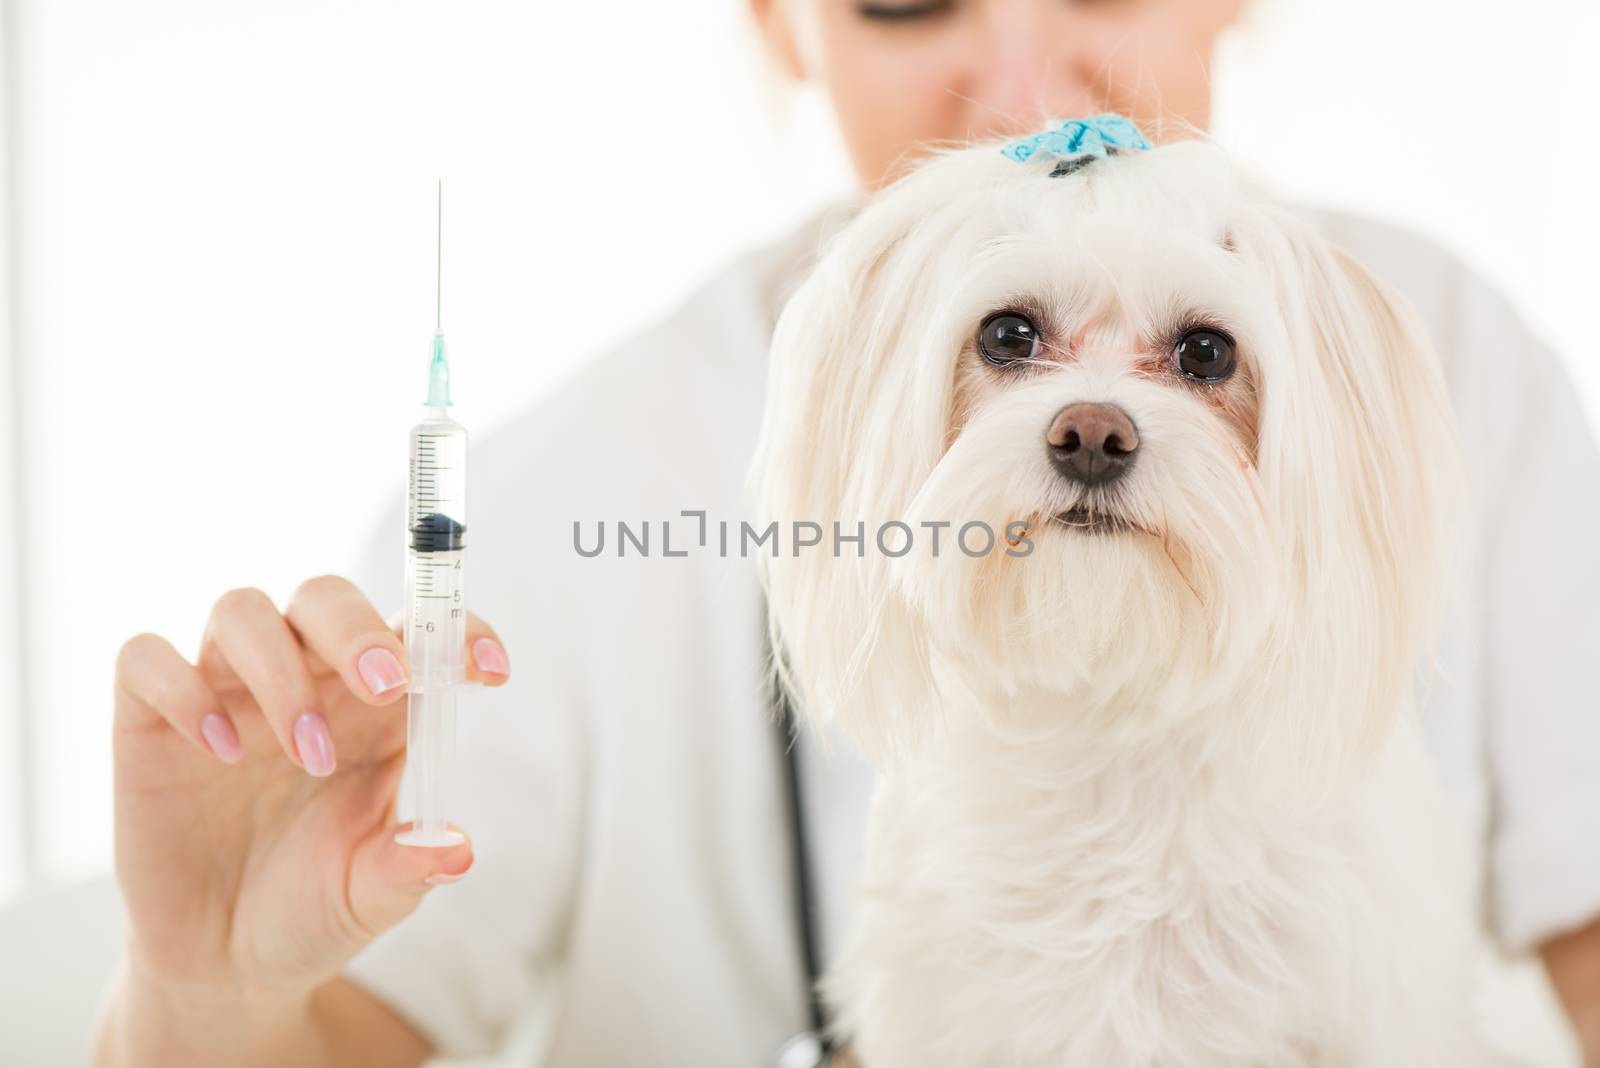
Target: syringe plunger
{"points": [[430, 743]]}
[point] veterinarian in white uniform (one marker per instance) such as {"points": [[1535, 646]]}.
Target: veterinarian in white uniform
{"points": [[632, 900]]}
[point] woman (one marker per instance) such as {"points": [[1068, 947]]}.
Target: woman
{"points": [[635, 901]]}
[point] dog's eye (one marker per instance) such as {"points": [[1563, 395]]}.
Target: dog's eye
{"points": [[1205, 354], [1006, 338]]}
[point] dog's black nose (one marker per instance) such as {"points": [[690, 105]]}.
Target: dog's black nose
{"points": [[1092, 443]]}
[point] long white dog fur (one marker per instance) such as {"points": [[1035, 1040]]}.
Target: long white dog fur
{"points": [[1146, 796]]}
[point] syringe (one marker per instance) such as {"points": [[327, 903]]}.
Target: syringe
{"points": [[436, 614]]}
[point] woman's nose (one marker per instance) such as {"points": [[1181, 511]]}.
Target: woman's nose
{"points": [[1028, 67]]}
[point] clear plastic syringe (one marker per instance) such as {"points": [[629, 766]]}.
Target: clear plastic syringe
{"points": [[436, 613]]}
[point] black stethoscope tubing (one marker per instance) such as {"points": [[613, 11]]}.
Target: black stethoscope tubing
{"points": [[788, 737]]}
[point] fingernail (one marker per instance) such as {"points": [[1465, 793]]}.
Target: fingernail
{"points": [[222, 738], [314, 744], [380, 671], [488, 655], [441, 878]]}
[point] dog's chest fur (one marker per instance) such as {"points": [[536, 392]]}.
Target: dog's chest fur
{"points": [[1045, 903]]}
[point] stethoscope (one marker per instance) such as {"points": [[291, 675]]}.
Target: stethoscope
{"points": [[810, 1048]]}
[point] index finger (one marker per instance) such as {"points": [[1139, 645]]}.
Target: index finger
{"points": [[338, 626]]}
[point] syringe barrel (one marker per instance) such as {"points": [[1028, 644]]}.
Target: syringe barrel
{"points": [[436, 620], [436, 530]]}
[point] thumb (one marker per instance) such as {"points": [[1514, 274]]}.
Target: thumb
{"points": [[389, 880]]}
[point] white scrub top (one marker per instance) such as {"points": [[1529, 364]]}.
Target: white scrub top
{"points": [[632, 901]]}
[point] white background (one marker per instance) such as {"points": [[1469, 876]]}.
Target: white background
{"points": [[220, 263]]}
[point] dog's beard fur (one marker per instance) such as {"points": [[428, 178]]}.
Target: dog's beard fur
{"points": [[1139, 618], [1257, 613]]}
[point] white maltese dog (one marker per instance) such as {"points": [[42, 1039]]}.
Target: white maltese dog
{"points": [[1140, 488]]}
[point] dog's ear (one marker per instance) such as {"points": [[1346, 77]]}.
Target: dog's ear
{"points": [[1359, 465], [851, 429]]}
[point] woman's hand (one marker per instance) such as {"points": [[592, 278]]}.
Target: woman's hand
{"points": [[255, 796], [1573, 963]]}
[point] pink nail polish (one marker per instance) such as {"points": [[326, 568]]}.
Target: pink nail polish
{"points": [[443, 878], [222, 738], [314, 744], [380, 670], [490, 658]]}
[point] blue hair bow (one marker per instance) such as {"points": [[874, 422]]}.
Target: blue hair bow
{"points": [[1076, 142]]}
